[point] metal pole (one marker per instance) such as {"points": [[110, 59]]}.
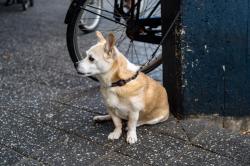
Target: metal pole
{"points": [[171, 58]]}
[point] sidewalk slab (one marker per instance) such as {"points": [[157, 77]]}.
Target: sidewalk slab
{"points": [[153, 148], [225, 143], [75, 93], [118, 159], [70, 150], [28, 92], [192, 128], [41, 111], [197, 156], [71, 118], [80, 122], [62, 80], [98, 132], [24, 135], [169, 128], [29, 162], [91, 99]]}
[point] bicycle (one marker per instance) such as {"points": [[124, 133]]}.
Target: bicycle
{"points": [[138, 27]]}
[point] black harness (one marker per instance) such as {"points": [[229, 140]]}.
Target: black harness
{"points": [[123, 82]]}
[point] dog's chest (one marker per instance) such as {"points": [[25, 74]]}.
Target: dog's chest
{"points": [[122, 106]]}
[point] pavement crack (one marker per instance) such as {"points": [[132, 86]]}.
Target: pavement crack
{"points": [[211, 151]]}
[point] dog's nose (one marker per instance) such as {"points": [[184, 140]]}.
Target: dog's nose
{"points": [[76, 64], [80, 72]]}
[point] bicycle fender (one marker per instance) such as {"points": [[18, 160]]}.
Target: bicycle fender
{"points": [[74, 7]]}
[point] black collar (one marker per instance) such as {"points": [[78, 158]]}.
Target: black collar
{"points": [[123, 82]]}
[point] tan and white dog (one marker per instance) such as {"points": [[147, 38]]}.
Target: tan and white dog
{"points": [[128, 94]]}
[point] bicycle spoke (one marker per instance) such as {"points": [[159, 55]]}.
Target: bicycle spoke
{"points": [[130, 44], [138, 61], [154, 9], [121, 38], [104, 17], [110, 4], [93, 7], [146, 50]]}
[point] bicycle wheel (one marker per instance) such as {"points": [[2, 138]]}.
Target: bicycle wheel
{"points": [[90, 21], [140, 53]]}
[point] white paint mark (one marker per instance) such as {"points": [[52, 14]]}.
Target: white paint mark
{"points": [[206, 48], [183, 32], [224, 68], [184, 84], [189, 50], [192, 64]]}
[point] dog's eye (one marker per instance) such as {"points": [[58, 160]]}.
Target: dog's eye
{"points": [[91, 59]]}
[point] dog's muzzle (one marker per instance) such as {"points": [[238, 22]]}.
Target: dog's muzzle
{"points": [[76, 64]]}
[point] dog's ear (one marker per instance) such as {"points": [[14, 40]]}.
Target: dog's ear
{"points": [[100, 36], [110, 42]]}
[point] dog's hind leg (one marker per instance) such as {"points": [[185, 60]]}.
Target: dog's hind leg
{"points": [[102, 118], [154, 121], [151, 122]]}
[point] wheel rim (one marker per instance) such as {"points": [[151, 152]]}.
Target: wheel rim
{"points": [[88, 20]]}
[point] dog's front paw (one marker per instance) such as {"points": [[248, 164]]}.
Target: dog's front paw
{"points": [[115, 134], [102, 118], [97, 118], [131, 137]]}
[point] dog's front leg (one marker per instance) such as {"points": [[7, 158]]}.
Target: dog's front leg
{"points": [[132, 122], [118, 125]]}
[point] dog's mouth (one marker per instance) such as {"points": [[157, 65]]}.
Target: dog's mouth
{"points": [[84, 74]]}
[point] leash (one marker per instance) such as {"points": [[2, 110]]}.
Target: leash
{"points": [[123, 82], [163, 39]]}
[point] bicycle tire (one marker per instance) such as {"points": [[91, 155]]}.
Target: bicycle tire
{"points": [[31, 3], [74, 52]]}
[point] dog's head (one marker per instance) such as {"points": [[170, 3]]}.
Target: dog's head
{"points": [[100, 57]]}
